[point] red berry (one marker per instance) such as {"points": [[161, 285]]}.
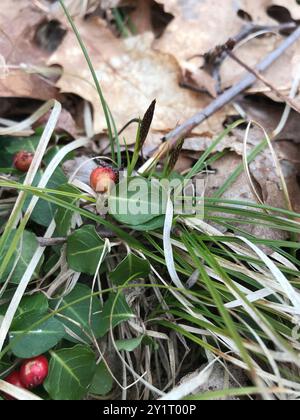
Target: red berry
{"points": [[14, 379], [34, 371], [103, 178], [22, 161]]}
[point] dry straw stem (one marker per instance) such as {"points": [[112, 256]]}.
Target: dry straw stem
{"points": [[18, 393]]}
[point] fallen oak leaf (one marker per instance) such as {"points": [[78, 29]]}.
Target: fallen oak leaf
{"points": [[19, 21], [200, 26], [128, 69]]}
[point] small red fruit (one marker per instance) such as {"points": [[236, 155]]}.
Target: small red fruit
{"points": [[34, 371], [14, 379], [103, 178], [23, 160]]}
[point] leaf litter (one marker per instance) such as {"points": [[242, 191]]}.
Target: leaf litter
{"points": [[137, 59]]}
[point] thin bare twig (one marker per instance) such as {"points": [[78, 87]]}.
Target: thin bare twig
{"points": [[183, 130], [289, 101], [44, 242], [215, 57]]}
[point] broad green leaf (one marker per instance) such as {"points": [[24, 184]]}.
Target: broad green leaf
{"points": [[102, 382], [50, 262], [132, 267], [115, 311], [137, 201], [44, 211], [6, 160], [84, 250], [129, 345], [11, 145], [80, 312], [38, 340], [28, 144], [63, 217], [71, 373], [152, 225], [35, 303], [24, 253]]}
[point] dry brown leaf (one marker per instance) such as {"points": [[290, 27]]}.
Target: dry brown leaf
{"points": [[18, 22], [240, 190], [65, 123], [200, 25], [261, 110], [221, 170], [262, 169], [20, 84], [75, 7], [266, 181], [131, 75], [281, 74], [264, 172], [109, 4], [200, 144], [258, 9], [141, 16]]}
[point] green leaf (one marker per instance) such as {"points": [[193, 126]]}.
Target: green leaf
{"points": [[44, 211], [115, 311], [25, 251], [80, 312], [71, 373], [28, 144], [38, 340], [63, 217], [152, 225], [35, 303], [129, 345], [132, 267], [136, 201], [84, 250], [50, 262], [102, 382]]}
